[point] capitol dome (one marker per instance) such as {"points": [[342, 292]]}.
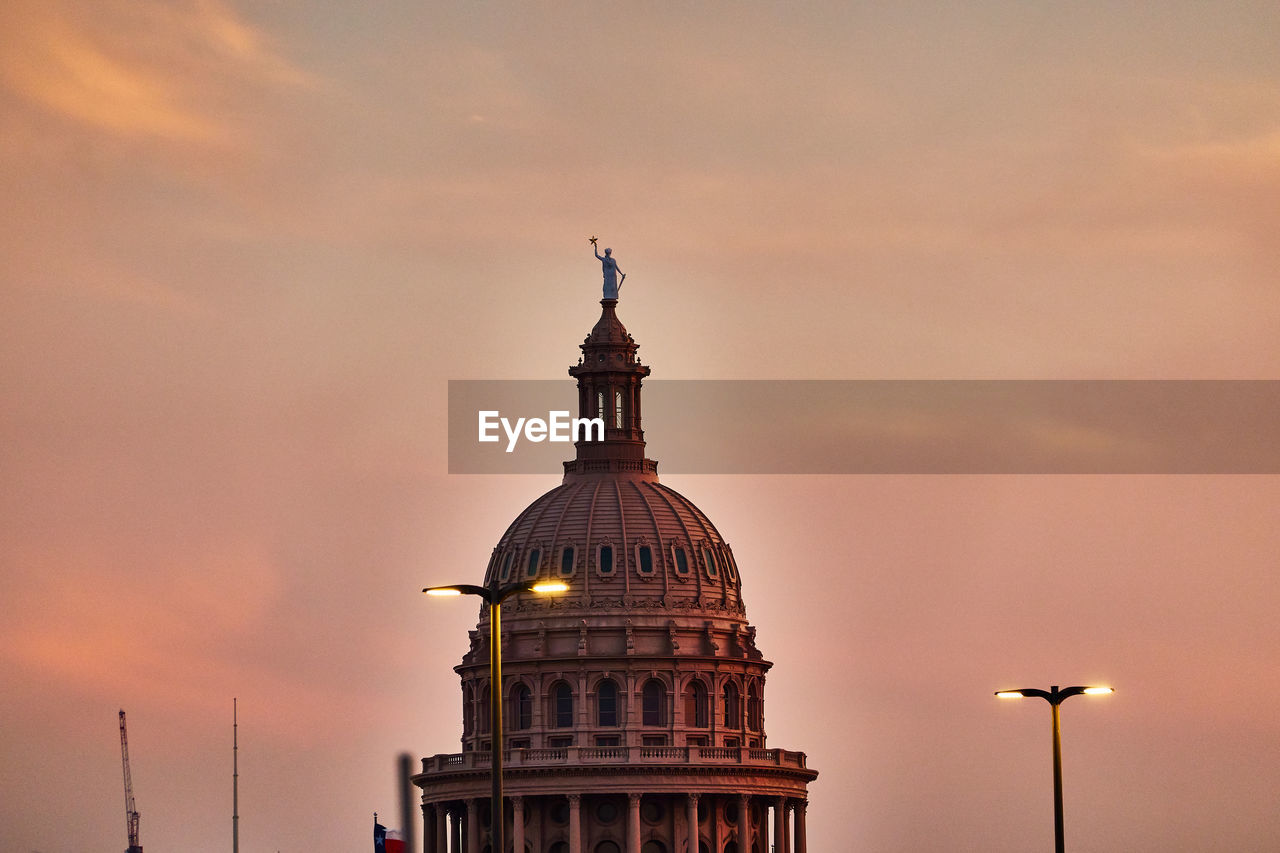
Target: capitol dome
{"points": [[620, 543], [633, 703]]}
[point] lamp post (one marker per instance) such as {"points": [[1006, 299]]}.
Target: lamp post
{"points": [[1055, 697], [494, 596]]}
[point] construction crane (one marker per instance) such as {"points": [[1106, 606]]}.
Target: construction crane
{"points": [[130, 810]]}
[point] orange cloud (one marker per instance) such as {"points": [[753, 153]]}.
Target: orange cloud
{"points": [[143, 70]]}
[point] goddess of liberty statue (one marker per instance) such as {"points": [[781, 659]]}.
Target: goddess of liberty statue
{"points": [[613, 277]]}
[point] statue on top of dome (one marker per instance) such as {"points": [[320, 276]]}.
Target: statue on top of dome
{"points": [[612, 281]]}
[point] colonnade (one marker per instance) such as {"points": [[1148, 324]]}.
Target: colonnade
{"points": [[454, 827]]}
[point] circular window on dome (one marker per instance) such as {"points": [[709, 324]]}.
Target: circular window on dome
{"points": [[652, 811], [608, 847], [560, 813], [731, 812], [653, 846], [607, 811]]}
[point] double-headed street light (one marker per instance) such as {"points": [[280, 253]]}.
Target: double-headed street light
{"points": [[494, 596], [1055, 697]]}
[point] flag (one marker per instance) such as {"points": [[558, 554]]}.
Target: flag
{"points": [[386, 840]]}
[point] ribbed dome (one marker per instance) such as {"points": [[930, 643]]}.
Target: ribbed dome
{"points": [[622, 543]]}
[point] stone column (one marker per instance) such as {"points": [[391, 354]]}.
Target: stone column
{"points": [[715, 823], [428, 828], [517, 824], [575, 823], [693, 823], [633, 823], [780, 825], [744, 823], [456, 846], [441, 837], [802, 841], [473, 826]]}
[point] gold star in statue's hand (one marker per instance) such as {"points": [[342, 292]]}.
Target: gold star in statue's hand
{"points": [[593, 240]]}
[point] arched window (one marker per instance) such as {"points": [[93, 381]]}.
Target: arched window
{"points": [[732, 712], [482, 711], [753, 707], [600, 404], [506, 565], [607, 703], [468, 709], [521, 707], [534, 556], [562, 706], [605, 562], [710, 560], [644, 554], [682, 560], [653, 703], [695, 705], [567, 557], [617, 410]]}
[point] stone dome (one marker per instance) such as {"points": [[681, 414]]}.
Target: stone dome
{"points": [[621, 543], [630, 709]]}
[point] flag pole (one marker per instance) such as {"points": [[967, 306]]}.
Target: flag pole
{"points": [[235, 778]]}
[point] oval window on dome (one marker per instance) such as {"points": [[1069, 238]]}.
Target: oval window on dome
{"points": [[682, 560], [644, 556], [713, 571], [604, 560], [506, 565], [567, 557], [534, 556], [730, 566]]}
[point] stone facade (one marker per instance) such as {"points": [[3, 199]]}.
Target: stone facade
{"points": [[633, 703]]}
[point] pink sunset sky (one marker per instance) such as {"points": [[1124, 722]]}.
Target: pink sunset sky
{"points": [[246, 245]]}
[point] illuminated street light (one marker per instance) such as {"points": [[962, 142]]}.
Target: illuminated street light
{"points": [[1055, 697], [494, 596]]}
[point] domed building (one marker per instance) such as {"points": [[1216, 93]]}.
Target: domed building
{"points": [[634, 703]]}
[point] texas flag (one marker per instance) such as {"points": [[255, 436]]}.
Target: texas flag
{"points": [[386, 840]]}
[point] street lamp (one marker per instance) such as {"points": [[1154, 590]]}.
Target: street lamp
{"points": [[494, 596], [1055, 697]]}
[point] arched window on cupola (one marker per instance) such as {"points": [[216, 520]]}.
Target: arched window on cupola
{"points": [[600, 405], [562, 706], [754, 715], [468, 709], [607, 703], [521, 707], [617, 409], [653, 703], [695, 705], [732, 709], [482, 711]]}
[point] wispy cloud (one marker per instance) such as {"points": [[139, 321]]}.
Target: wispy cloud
{"points": [[141, 70]]}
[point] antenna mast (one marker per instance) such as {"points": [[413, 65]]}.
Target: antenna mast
{"points": [[130, 809], [235, 779]]}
